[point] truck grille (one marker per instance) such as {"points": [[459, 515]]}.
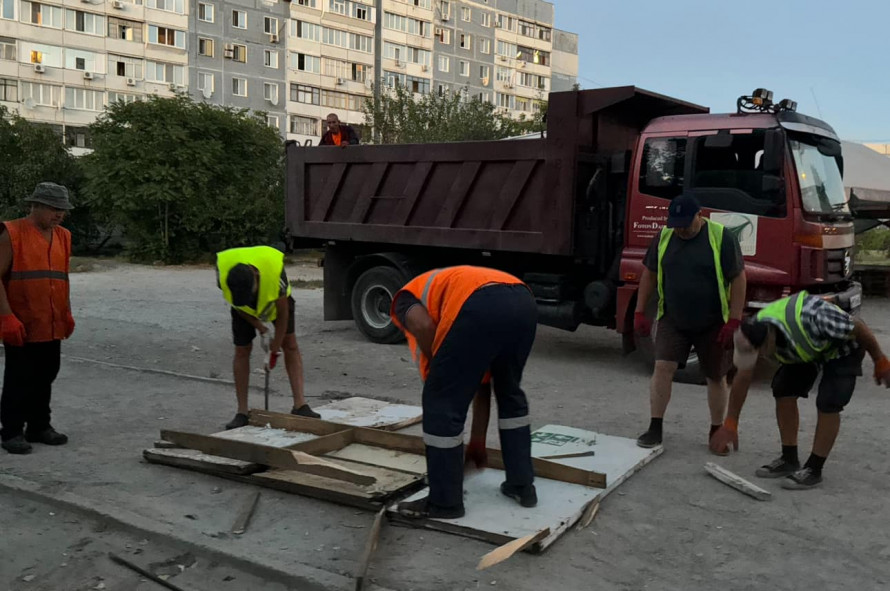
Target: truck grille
{"points": [[838, 264]]}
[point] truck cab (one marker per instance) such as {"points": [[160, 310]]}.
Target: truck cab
{"points": [[772, 176]]}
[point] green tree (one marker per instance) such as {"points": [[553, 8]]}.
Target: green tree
{"points": [[402, 118], [31, 153], [185, 179]]}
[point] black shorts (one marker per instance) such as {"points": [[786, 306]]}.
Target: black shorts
{"points": [[243, 331], [835, 389], [673, 344]]}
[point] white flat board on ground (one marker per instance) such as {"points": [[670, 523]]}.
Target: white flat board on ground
{"points": [[374, 414], [265, 436], [493, 517]]}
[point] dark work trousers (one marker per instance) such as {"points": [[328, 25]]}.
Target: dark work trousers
{"points": [[27, 387], [494, 330]]}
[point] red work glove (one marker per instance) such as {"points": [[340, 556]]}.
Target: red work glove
{"points": [[476, 453], [724, 437], [69, 325], [882, 372], [724, 339], [273, 359], [12, 330], [642, 324]]}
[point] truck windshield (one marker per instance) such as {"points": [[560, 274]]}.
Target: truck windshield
{"points": [[821, 185]]}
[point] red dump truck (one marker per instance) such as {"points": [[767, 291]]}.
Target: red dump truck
{"points": [[572, 211]]}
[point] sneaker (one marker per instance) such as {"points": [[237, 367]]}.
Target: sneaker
{"points": [[422, 508], [48, 436], [649, 439], [778, 468], [240, 420], [305, 411], [17, 445], [802, 479], [525, 495]]}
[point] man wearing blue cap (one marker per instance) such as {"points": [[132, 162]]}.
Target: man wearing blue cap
{"points": [[698, 272]]}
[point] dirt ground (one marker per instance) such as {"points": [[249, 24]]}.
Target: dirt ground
{"points": [[669, 527]]}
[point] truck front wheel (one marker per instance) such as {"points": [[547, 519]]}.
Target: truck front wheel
{"points": [[371, 299]]}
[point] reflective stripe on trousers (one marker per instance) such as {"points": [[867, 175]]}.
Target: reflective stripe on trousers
{"points": [[514, 423], [443, 442]]}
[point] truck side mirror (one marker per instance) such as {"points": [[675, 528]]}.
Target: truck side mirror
{"points": [[773, 152]]}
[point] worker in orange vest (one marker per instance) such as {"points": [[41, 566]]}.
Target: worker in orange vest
{"points": [[462, 322], [35, 315]]}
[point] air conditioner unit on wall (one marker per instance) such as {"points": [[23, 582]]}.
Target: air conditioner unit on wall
{"points": [[39, 68], [131, 82], [273, 37], [341, 81], [87, 75], [424, 68], [172, 87], [117, 4], [207, 93], [229, 51]]}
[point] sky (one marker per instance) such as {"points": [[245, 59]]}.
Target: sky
{"points": [[831, 56]]}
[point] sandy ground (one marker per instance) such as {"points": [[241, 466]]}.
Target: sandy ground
{"points": [[669, 527]]}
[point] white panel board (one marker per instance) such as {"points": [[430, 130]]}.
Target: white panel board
{"points": [[374, 414]]}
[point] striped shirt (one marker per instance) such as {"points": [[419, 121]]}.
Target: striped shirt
{"points": [[824, 323]]}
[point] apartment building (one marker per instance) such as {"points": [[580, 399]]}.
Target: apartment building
{"points": [[238, 55], [63, 61]]}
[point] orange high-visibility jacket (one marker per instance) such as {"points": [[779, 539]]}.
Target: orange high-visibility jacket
{"points": [[443, 293], [37, 284]]}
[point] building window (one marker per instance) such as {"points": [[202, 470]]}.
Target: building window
{"points": [[270, 58], [422, 3], [443, 35], [508, 23], [44, 95], [396, 22], [205, 12], [544, 34], [42, 14], [77, 137], [205, 82], [303, 125], [239, 53], [444, 9], [360, 72], [662, 172], [304, 30], [466, 41], [306, 63], [177, 6], [272, 121], [9, 90], [239, 86], [300, 93], [83, 99], [270, 25], [7, 48], [485, 46], [486, 19], [165, 36], [205, 47], [270, 92], [161, 72], [527, 29], [466, 14], [464, 68], [484, 73], [125, 67], [418, 85], [7, 9], [85, 22], [444, 63], [239, 19], [119, 28], [114, 97], [308, 3]]}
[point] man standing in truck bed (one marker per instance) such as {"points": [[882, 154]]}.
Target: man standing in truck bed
{"points": [[699, 274], [338, 134], [462, 322]]}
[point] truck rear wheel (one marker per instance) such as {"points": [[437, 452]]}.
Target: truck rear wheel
{"points": [[371, 299]]}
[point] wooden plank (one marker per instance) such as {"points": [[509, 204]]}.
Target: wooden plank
{"points": [[457, 195], [737, 482], [504, 552], [510, 193], [267, 456], [335, 177], [265, 436], [589, 513], [196, 460], [387, 482], [243, 520], [412, 192], [325, 444], [577, 454], [369, 191], [380, 456], [161, 444], [148, 575], [361, 570], [367, 412], [277, 420]]}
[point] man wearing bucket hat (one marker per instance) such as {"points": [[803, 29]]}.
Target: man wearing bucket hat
{"points": [[35, 315], [698, 272]]}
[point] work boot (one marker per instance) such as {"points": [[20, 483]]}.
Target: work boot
{"points": [[778, 468], [17, 445], [422, 508], [803, 479], [305, 411], [525, 495], [240, 420], [48, 436], [649, 439]]}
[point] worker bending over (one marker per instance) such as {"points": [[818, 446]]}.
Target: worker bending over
{"points": [[254, 283], [462, 322], [805, 334]]}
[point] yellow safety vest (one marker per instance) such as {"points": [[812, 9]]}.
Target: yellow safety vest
{"points": [[270, 263], [715, 237], [788, 313]]}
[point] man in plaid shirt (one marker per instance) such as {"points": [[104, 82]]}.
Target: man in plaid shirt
{"points": [[804, 333]]}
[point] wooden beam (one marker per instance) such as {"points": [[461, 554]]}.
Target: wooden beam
{"points": [[243, 520], [504, 552], [737, 482], [325, 444], [267, 456], [361, 570], [414, 444]]}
